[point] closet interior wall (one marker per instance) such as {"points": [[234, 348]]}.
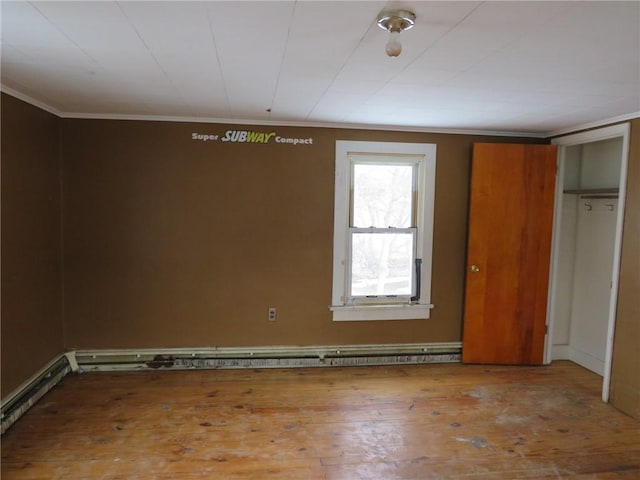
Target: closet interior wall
{"points": [[587, 241]]}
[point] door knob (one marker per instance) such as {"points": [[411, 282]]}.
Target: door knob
{"points": [[475, 268]]}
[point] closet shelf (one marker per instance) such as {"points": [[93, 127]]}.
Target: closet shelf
{"points": [[592, 191]]}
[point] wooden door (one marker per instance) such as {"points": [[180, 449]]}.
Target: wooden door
{"points": [[508, 253]]}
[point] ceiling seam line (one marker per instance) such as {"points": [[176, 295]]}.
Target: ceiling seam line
{"points": [[284, 54], [64, 34], [175, 87], [340, 70], [219, 63], [477, 62]]}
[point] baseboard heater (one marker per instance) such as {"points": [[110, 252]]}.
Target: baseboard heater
{"points": [[267, 357], [33, 390], [19, 401]]}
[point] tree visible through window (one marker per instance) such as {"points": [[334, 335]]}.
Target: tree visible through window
{"points": [[383, 230]]}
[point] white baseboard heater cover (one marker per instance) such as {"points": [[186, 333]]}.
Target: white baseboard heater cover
{"points": [[19, 401], [27, 395], [267, 357]]}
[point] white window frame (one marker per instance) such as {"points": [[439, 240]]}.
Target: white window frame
{"points": [[412, 161], [340, 306]]}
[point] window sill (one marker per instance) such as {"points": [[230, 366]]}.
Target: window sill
{"points": [[380, 312]]}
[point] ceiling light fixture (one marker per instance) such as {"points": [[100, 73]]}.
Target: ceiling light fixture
{"points": [[395, 21]]}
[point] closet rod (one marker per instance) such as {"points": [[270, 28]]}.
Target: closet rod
{"points": [[604, 197]]}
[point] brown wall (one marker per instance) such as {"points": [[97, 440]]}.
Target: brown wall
{"points": [[625, 377], [171, 242], [32, 330]]}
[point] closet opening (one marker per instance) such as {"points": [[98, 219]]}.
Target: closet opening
{"points": [[586, 247]]}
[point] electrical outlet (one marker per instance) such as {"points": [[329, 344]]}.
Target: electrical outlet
{"points": [[272, 314]]}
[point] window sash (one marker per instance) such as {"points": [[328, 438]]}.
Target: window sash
{"points": [[412, 161], [353, 299]]}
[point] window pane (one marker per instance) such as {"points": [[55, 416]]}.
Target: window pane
{"points": [[382, 196], [382, 264]]}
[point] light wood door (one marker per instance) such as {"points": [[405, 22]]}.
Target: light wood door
{"points": [[508, 253]]}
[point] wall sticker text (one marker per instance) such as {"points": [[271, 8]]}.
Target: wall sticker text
{"points": [[249, 136]]}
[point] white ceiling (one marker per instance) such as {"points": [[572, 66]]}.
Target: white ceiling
{"points": [[536, 67]]}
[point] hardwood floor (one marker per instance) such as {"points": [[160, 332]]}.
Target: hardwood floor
{"points": [[447, 421]]}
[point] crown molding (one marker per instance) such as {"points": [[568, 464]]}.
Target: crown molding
{"points": [[596, 124], [30, 100], [346, 126], [235, 121], [354, 126]]}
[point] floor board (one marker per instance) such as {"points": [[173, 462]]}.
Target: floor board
{"points": [[446, 421]]}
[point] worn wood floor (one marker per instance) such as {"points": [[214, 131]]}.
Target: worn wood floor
{"points": [[406, 422]]}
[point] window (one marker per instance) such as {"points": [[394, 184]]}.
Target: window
{"points": [[383, 230]]}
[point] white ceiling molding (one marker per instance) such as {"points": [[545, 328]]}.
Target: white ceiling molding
{"points": [[29, 100], [491, 66], [346, 126], [235, 121], [588, 126]]}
